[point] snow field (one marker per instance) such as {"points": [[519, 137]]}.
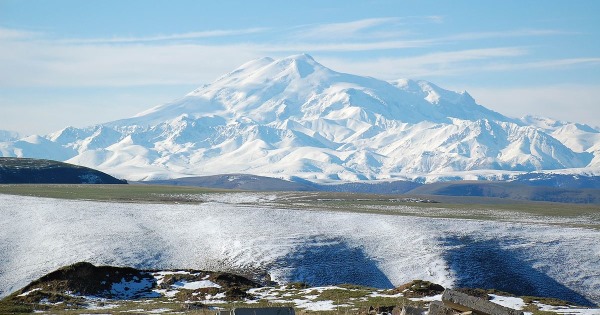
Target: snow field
{"points": [[295, 117], [39, 235]]}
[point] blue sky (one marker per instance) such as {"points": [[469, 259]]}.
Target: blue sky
{"points": [[86, 62]]}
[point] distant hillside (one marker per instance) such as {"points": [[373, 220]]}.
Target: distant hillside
{"points": [[236, 181], [510, 190], [37, 171], [571, 181], [386, 188], [262, 183]]}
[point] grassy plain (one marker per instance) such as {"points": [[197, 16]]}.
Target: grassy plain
{"points": [[482, 208]]}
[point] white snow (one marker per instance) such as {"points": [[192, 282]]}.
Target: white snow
{"points": [[295, 117], [428, 298], [29, 292], [576, 311], [512, 302], [129, 289], [195, 285], [38, 235], [315, 306]]}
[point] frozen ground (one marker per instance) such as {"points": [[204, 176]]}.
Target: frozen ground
{"points": [[38, 235]]}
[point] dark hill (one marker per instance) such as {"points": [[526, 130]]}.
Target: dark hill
{"points": [[509, 190], [567, 181], [70, 286], [262, 183], [236, 181], [38, 171]]}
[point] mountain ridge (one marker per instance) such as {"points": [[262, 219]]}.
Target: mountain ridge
{"points": [[293, 117]]}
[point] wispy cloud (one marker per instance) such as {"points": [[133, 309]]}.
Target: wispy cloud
{"points": [[345, 46], [570, 102], [433, 64], [30, 58], [180, 36], [341, 30], [364, 29], [73, 65], [508, 33], [543, 64], [14, 34]]}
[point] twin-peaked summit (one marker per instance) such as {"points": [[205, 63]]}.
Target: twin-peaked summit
{"points": [[300, 88], [295, 117]]}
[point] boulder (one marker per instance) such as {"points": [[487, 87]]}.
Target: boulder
{"points": [[465, 303]]}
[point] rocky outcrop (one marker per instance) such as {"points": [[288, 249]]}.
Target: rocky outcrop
{"points": [[454, 302]]}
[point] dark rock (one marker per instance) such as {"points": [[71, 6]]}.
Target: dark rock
{"points": [[464, 303], [438, 308]]}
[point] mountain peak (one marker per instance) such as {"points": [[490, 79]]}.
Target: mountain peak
{"points": [[301, 57], [296, 117], [301, 64]]}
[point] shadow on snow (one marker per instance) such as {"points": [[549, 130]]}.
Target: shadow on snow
{"points": [[331, 262], [489, 264]]}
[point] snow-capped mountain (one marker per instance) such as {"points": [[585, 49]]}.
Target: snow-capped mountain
{"points": [[295, 117], [577, 137]]}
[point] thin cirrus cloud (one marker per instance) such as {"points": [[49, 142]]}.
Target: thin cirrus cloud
{"points": [[15, 34], [568, 102], [171, 37], [341, 30], [37, 59], [432, 64], [346, 46], [510, 33], [545, 64], [375, 28]]}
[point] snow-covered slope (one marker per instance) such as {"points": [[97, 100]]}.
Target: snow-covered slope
{"points": [[527, 257], [295, 117], [577, 137]]}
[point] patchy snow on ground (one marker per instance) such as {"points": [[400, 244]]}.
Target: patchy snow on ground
{"points": [[316, 306], [29, 292], [39, 235], [512, 302], [428, 298], [130, 289], [195, 285]]}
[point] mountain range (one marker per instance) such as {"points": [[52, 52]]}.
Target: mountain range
{"points": [[295, 118]]}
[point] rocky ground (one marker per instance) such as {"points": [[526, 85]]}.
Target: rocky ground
{"points": [[83, 288]]}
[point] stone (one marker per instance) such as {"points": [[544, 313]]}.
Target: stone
{"points": [[410, 310], [438, 308], [465, 303]]}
